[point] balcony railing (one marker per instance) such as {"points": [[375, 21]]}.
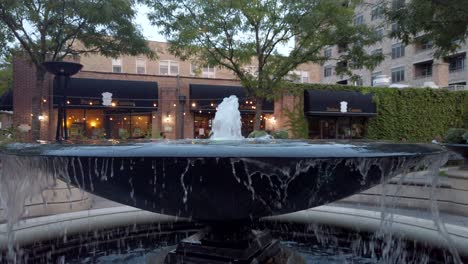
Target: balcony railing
{"points": [[457, 87], [457, 69]]}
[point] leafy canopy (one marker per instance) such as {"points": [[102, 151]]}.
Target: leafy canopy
{"points": [[445, 23], [239, 33], [50, 30], [53, 29]]}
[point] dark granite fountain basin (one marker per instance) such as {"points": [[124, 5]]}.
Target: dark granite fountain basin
{"points": [[225, 181]]}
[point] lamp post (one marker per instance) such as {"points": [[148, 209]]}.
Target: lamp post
{"points": [[62, 71], [180, 116]]}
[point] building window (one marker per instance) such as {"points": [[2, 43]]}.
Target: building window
{"points": [[168, 67], [358, 81], [423, 70], [298, 76], [376, 13], [252, 70], [194, 70], [140, 66], [423, 45], [397, 4], [327, 71], [117, 65], [374, 76], [395, 28], [377, 51], [208, 72], [328, 53], [379, 32], [398, 74], [359, 20], [457, 63], [398, 50]]}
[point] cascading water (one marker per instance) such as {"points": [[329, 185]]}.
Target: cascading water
{"points": [[227, 122], [269, 179]]}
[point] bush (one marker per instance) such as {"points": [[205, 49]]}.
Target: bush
{"points": [[455, 136], [280, 134], [257, 134], [417, 114]]}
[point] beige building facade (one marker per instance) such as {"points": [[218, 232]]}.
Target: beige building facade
{"points": [[413, 65], [169, 65]]}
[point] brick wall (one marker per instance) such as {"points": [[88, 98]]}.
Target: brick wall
{"points": [[99, 67]]}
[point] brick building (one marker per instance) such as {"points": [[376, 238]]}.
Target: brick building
{"points": [[166, 95]]}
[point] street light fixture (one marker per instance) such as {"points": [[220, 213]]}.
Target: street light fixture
{"points": [[62, 71]]}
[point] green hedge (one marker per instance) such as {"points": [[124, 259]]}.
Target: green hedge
{"points": [[416, 114]]}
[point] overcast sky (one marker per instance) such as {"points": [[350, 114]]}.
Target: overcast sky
{"points": [[151, 32]]}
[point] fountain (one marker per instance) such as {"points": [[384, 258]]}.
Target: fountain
{"points": [[226, 185]]}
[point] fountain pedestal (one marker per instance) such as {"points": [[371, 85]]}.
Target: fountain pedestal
{"points": [[226, 243]]}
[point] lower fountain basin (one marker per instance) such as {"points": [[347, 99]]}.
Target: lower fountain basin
{"points": [[223, 181]]}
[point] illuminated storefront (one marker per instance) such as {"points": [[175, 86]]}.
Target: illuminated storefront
{"points": [[205, 98], [337, 114], [129, 115]]}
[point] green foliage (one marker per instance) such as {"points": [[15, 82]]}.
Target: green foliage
{"points": [[280, 134], [297, 122], [50, 30], [455, 135], [444, 22], [124, 134], [465, 136], [6, 77], [240, 33], [257, 134], [55, 27], [416, 114]]}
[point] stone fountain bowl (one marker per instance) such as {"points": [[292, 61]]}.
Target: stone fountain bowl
{"points": [[224, 181]]}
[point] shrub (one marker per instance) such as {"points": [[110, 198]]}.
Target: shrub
{"points": [[257, 133], [455, 136], [280, 134]]}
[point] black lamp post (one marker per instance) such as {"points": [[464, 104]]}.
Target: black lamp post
{"points": [[62, 71]]}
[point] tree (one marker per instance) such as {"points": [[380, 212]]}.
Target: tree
{"points": [[6, 74], [445, 23], [233, 33], [50, 30]]}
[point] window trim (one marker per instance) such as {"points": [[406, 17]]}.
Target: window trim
{"points": [[398, 47], [140, 66], [117, 62], [398, 70], [169, 64], [325, 68]]}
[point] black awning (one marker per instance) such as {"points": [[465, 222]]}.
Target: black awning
{"points": [[87, 93], [329, 103], [207, 97], [6, 100]]}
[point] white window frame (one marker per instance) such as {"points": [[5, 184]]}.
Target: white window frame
{"points": [[140, 63], [208, 72], [170, 64], [251, 69], [193, 69], [117, 62]]}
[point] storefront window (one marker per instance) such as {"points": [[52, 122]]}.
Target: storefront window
{"points": [[100, 124], [336, 127]]}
